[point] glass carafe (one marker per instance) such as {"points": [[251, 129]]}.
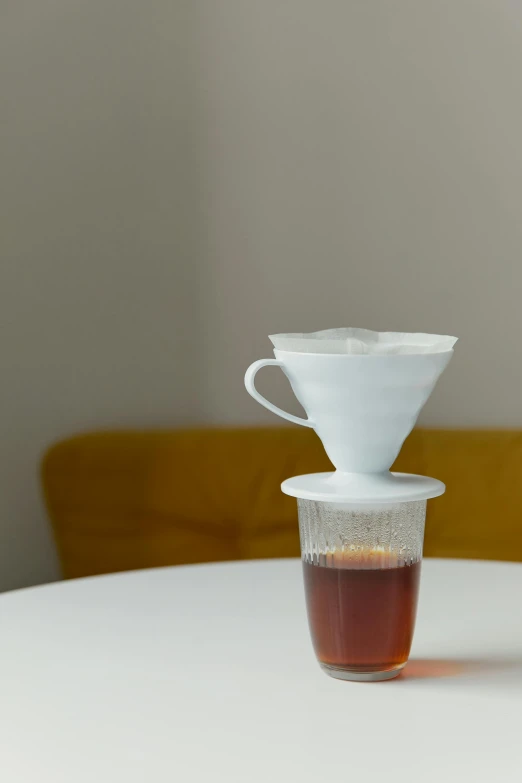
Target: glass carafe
{"points": [[361, 566]]}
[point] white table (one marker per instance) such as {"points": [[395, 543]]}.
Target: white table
{"points": [[206, 673]]}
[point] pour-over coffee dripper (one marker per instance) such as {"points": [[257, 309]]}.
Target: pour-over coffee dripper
{"points": [[361, 526]]}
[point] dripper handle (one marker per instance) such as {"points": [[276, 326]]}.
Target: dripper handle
{"points": [[251, 389]]}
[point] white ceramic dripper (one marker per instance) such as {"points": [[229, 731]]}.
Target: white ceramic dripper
{"points": [[362, 407]]}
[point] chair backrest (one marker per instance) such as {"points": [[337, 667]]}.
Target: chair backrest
{"points": [[125, 500]]}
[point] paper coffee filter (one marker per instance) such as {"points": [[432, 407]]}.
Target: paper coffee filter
{"points": [[350, 340]]}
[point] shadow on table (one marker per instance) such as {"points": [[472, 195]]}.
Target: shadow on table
{"points": [[445, 668]]}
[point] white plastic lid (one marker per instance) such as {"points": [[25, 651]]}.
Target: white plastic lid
{"points": [[340, 487]]}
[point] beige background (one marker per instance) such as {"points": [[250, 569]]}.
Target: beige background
{"points": [[180, 179]]}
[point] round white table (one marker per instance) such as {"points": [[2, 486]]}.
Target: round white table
{"points": [[206, 673]]}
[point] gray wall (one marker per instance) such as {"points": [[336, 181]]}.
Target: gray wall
{"points": [[100, 268], [367, 170], [180, 179]]}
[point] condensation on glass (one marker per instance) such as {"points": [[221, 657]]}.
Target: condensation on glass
{"points": [[342, 533]]}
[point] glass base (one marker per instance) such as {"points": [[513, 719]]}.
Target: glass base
{"points": [[361, 676]]}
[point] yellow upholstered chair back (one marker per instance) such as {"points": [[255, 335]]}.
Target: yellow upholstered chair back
{"points": [[125, 500]]}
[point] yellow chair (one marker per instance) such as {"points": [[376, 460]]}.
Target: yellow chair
{"points": [[125, 500]]}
